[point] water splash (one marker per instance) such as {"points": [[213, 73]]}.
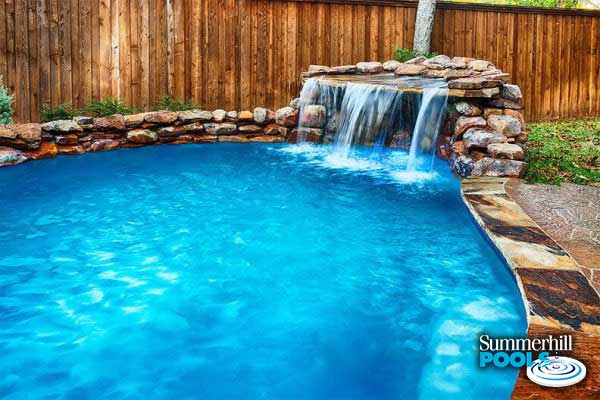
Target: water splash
{"points": [[369, 113]]}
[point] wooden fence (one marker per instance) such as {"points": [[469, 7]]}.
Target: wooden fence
{"points": [[237, 54]]}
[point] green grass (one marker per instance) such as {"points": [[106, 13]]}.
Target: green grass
{"points": [[564, 151]]}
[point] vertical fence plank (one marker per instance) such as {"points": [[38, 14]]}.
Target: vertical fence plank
{"points": [[64, 40], [34, 81], [95, 43], [83, 59], [43, 53], [104, 44], [134, 54], [21, 62]]}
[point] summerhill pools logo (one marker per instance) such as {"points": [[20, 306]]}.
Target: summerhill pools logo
{"points": [[546, 370]]}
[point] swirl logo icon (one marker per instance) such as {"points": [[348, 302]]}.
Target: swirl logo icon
{"points": [[556, 371]]}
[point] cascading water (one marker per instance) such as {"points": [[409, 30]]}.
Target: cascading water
{"points": [[365, 116], [368, 114], [422, 145]]}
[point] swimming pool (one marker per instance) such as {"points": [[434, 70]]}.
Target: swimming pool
{"points": [[245, 271]]}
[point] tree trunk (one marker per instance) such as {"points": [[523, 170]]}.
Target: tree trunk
{"points": [[424, 25]]}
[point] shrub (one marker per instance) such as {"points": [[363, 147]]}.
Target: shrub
{"points": [[171, 103], [6, 101], [62, 111], [404, 55], [108, 106]]}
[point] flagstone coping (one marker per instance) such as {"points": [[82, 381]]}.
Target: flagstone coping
{"points": [[558, 297]]}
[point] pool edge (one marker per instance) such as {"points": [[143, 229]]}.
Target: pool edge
{"points": [[538, 263]]}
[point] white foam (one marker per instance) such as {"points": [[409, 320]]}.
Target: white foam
{"points": [[447, 349], [488, 310]]}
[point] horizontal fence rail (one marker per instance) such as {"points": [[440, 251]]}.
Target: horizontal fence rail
{"points": [[237, 54]]}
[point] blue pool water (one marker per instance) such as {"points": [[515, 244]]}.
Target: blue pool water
{"points": [[238, 271]]}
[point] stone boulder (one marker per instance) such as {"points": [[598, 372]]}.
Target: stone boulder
{"points": [[511, 92], [30, 133], [370, 67], [480, 65], [10, 156], [503, 103], [460, 62], [438, 62], [463, 123], [274, 129], [191, 116], [451, 74], [195, 139], [63, 125], [480, 138], [263, 115], [134, 120], [267, 139], [174, 131], [219, 115], [463, 166], [223, 128], [522, 138], [491, 111], [46, 150], [391, 65], [112, 122], [458, 148], [105, 145], [409, 69], [435, 73], [171, 131], [343, 69], [468, 109], [506, 150], [516, 114], [416, 60], [473, 83], [68, 139], [233, 139], [286, 116], [492, 167], [505, 124], [245, 116], [250, 128], [84, 121], [7, 134], [21, 136], [231, 115], [313, 116], [315, 70], [142, 136], [70, 150], [160, 117]]}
